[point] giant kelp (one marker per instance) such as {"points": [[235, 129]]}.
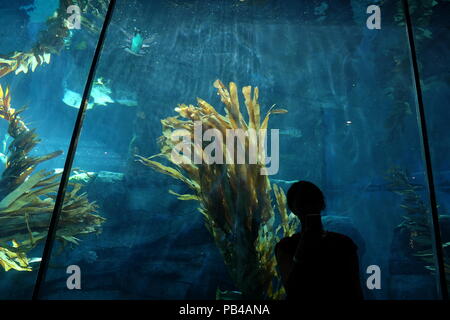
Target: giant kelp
{"points": [[28, 197], [53, 38], [416, 220], [234, 199]]}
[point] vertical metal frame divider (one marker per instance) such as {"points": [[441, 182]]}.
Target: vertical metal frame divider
{"points": [[427, 156], [70, 157]]}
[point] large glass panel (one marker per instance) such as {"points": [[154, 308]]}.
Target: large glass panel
{"points": [[430, 20], [44, 60], [351, 128]]}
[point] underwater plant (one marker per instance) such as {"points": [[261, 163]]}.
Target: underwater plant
{"points": [[53, 39], [234, 199], [27, 198], [416, 219]]}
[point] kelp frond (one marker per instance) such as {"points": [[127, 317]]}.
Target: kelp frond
{"points": [[27, 198], [235, 199]]}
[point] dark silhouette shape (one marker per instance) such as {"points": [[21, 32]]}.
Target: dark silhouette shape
{"points": [[316, 264]]}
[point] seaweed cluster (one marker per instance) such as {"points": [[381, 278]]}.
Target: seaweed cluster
{"points": [[52, 39], [416, 219], [234, 199], [28, 197]]}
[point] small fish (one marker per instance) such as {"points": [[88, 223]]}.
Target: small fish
{"points": [[137, 42]]}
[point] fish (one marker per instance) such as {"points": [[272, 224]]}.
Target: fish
{"points": [[5, 143], [136, 43]]}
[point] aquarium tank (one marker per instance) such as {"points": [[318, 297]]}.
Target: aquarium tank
{"points": [[107, 191]]}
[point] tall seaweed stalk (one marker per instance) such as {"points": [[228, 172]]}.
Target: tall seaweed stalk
{"points": [[234, 199], [28, 197]]}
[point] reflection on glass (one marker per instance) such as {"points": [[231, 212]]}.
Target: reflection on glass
{"points": [[41, 49]]}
